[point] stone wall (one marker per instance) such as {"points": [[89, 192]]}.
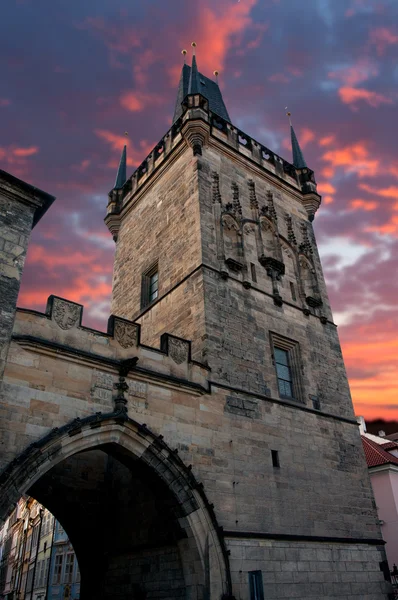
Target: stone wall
{"points": [[320, 488], [163, 226], [15, 227], [306, 570]]}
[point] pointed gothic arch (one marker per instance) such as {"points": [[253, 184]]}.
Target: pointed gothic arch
{"points": [[204, 558], [232, 241], [269, 236], [290, 260], [309, 282]]}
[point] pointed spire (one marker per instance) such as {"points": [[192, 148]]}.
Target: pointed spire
{"points": [[194, 84], [298, 157], [121, 176]]}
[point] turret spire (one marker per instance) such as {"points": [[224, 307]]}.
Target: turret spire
{"points": [[121, 176], [298, 157], [194, 83]]}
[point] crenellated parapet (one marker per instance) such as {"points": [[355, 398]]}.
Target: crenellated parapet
{"points": [[198, 127], [59, 333]]}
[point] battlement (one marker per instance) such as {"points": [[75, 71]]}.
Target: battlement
{"points": [[59, 332], [218, 131]]}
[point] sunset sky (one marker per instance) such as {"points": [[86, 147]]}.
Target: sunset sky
{"points": [[75, 75]]}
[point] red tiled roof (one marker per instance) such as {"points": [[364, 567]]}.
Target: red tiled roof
{"points": [[390, 445], [376, 455]]}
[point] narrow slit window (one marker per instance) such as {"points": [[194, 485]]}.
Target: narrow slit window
{"points": [[253, 272], [150, 286], [153, 286], [256, 585], [275, 459], [293, 291], [284, 373]]}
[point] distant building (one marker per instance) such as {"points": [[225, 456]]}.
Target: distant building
{"points": [[382, 459], [27, 547], [64, 571]]}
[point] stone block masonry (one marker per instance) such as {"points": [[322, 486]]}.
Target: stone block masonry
{"points": [[21, 206]]}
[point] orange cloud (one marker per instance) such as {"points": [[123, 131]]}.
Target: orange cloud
{"points": [[351, 95], [327, 140], [138, 101], [135, 155], [354, 158], [326, 188], [382, 37], [389, 192], [328, 199], [367, 205], [327, 172], [217, 28]]}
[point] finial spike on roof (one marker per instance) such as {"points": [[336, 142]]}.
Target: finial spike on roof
{"points": [[184, 53], [298, 156], [194, 87], [216, 74], [121, 176]]}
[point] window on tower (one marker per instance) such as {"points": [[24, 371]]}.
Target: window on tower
{"points": [[283, 372], [288, 368], [150, 286]]}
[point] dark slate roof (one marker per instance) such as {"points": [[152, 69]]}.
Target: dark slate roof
{"points": [[121, 176], [208, 88], [298, 157]]}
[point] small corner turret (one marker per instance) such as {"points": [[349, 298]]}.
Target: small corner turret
{"points": [[116, 195], [306, 177]]}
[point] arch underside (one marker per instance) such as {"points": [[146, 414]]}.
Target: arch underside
{"points": [[138, 520]]}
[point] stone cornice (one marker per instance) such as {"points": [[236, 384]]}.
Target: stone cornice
{"points": [[15, 189]]}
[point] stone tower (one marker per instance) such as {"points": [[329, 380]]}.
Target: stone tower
{"points": [[205, 446], [214, 243]]}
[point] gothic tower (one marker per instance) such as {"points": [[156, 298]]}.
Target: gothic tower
{"points": [[214, 243]]}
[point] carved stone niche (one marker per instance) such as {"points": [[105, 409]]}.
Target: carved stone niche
{"points": [[313, 302], [177, 348], [271, 264]]}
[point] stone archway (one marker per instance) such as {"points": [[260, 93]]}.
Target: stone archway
{"points": [[124, 496]]}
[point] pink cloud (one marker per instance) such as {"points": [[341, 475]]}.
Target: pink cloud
{"points": [[4, 102], [279, 78], [382, 37], [25, 151], [138, 101], [351, 95], [135, 155], [359, 72]]}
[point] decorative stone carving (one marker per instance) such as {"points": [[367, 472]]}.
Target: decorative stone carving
{"points": [[272, 265], [290, 232], [237, 208], [252, 195], [178, 350], [306, 246], [249, 228], [126, 334], [271, 207], [102, 386], [216, 188], [65, 314]]}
